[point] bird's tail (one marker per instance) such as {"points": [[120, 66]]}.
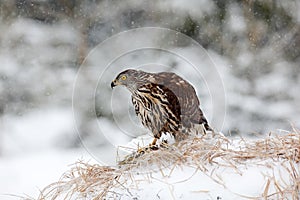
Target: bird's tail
{"points": [[205, 124]]}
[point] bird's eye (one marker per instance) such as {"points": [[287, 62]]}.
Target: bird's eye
{"points": [[123, 77]]}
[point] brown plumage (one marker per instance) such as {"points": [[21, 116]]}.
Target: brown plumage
{"points": [[164, 102]]}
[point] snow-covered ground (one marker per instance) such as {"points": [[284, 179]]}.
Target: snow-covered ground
{"points": [[25, 175], [33, 151], [244, 182], [35, 156], [237, 178], [39, 135], [211, 168]]}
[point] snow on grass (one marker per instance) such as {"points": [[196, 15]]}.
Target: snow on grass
{"points": [[196, 168]]}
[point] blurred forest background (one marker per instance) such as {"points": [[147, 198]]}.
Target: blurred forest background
{"points": [[254, 43], [43, 43]]}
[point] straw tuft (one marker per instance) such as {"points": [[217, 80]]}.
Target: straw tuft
{"points": [[98, 182]]}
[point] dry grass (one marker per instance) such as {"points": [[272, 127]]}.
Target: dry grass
{"points": [[96, 182]]}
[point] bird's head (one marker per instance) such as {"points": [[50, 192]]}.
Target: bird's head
{"points": [[129, 78]]}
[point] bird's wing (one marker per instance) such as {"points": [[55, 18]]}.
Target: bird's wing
{"points": [[186, 95]]}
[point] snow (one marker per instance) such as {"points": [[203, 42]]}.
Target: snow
{"points": [[194, 8], [33, 151], [40, 136], [26, 175], [188, 183], [37, 130], [245, 178], [254, 178], [235, 19], [28, 161]]}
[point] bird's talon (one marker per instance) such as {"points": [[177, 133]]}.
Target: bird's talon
{"points": [[153, 147], [153, 142], [164, 144], [141, 150]]}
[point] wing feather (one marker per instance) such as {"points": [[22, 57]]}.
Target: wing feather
{"points": [[187, 98]]}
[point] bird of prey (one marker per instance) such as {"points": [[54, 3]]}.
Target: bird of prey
{"points": [[164, 102]]}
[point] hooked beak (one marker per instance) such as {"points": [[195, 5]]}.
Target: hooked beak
{"points": [[113, 84]]}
